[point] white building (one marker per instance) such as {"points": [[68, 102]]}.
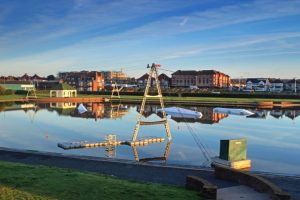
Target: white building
{"points": [[276, 85], [63, 90], [257, 84]]}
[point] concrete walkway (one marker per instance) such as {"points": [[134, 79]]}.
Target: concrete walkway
{"points": [[240, 192], [175, 175]]}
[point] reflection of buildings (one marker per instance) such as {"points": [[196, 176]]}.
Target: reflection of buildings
{"points": [[63, 105], [209, 116], [63, 108], [277, 113], [260, 114], [149, 110], [94, 111], [292, 114], [115, 111]]}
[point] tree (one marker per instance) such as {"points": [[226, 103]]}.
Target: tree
{"points": [[50, 77]]}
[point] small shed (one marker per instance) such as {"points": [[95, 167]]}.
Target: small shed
{"points": [[63, 90]]}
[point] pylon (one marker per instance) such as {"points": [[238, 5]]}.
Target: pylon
{"points": [[153, 72]]}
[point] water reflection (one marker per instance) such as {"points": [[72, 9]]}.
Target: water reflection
{"points": [[273, 141], [117, 111]]}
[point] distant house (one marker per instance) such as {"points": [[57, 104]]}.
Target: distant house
{"points": [[142, 81], [276, 85], [290, 85], [257, 84], [63, 90], [164, 80], [25, 77], [238, 83]]}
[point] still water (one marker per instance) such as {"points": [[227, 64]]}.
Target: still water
{"points": [[273, 135]]}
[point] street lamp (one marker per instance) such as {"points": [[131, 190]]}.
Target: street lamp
{"points": [[295, 85]]}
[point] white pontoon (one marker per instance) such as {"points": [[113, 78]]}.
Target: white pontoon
{"points": [[181, 112]]}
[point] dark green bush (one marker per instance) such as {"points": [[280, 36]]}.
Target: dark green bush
{"points": [[2, 90], [9, 92]]}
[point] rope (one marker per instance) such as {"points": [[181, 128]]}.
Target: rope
{"points": [[204, 149]]}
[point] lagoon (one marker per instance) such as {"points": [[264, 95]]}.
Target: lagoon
{"points": [[273, 135]]}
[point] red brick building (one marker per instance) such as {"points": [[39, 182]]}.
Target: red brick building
{"points": [[84, 80], [200, 79], [212, 79]]}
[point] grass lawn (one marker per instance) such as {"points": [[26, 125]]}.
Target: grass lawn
{"points": [[18, 181], [13, 96]]}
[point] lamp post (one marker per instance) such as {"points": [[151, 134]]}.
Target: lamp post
{"points": [[295, 86]]}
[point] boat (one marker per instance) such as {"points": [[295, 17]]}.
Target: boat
{"points": [[233, 111], [181, 112], [81, 109]]}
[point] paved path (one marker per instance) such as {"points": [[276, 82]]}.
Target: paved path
{"points": [[175, 175], [241, 192]]}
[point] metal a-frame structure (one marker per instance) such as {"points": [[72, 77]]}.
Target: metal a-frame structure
{"points": [[115, 89], [31, 92], [164, 121]]}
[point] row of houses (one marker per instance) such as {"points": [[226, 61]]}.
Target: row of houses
{"points": [[190, 79], [267, 84], [25, 77], [100, 80]]}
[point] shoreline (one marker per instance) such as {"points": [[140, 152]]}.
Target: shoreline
{"points": [[200, 101], [132, 170]]}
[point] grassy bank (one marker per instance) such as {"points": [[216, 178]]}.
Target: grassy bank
{"points": [[11, 97], [18, 181]]}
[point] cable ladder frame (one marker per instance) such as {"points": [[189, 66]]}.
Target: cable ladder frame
{"points": [[153, 71]]}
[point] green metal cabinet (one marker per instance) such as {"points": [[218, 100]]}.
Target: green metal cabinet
{"points": [[234, 149]]}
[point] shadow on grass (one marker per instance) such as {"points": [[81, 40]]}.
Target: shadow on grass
{"points": [[18, 181]]}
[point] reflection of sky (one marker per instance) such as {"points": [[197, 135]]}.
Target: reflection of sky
{"points": [[273, 144]]}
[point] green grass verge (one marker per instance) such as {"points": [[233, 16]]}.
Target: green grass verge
{"points": [[19, 181], [11, 97]]}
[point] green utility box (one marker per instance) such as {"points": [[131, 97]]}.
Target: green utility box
{"points": [[233, 150]]}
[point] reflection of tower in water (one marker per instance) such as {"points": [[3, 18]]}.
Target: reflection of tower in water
{"points": [[163, 158]]}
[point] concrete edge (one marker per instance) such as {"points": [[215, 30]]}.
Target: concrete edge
{"points": [[256, 182], [207, 189]]}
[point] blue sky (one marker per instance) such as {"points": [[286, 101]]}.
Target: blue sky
{"points": [[241, 38]]}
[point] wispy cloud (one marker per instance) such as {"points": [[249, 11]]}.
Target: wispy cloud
{"points": [[223, 16], [237, 44]]}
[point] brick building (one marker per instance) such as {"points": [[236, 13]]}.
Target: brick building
{"points": [[184, 78], [118, 77], [84, 80], [164, 80], [212, 79], [200, 79]]}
